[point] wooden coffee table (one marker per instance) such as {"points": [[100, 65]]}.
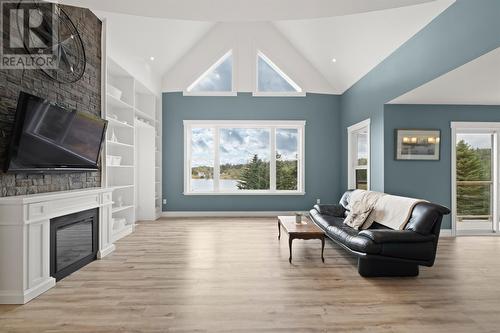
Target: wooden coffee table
{"points": [[306, 230]]}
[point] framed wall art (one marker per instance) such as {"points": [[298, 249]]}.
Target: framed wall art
{"points": [[417, 144]]}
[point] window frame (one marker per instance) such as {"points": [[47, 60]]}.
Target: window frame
{"points": [[216, 125], [257, 93], [233, 92], [352, 151]]}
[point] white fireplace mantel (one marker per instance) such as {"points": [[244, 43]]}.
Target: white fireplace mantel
{"points": [[25, 237]]}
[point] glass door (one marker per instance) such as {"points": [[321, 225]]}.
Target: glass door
{"points": [[475, 177]]}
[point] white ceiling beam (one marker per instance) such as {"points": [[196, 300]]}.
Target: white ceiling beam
{"points": [[475, 83]]}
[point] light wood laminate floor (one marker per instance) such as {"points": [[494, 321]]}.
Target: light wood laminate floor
{"points": [[233, 275]]}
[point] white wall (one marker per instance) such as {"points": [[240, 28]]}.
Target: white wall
{"points": [[136, 66], [244, 39]]}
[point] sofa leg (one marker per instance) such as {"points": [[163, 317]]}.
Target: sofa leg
{"points": [[378, 268]]}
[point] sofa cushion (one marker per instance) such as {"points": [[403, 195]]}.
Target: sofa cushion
{"points": [[415, 251], [336, 210], [338, 231]]}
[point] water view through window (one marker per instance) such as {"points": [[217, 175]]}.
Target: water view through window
{"points": [[235, 159], [202, 160]]}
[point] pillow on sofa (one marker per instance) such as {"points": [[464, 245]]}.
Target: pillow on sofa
{"points": [[332, 210]]}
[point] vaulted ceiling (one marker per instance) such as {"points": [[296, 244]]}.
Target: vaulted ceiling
{"points": [[142, 38], [357, 42], [358, 34], [241, 10]]}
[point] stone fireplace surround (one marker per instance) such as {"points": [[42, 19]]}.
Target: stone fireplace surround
{"points": [[25, 207], [25, 237]]}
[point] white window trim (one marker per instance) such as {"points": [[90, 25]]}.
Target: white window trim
{"points": [[233, 92], [272, 125], [463, 127], [210, 93], [257, 93], [351, 167]]}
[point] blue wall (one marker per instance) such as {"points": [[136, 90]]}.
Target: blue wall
{"points": [[465, 31], [322, 149], [430, 180]]}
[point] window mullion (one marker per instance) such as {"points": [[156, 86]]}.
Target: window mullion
{"points": [[188, 158], [272, 162], [216, 159], [300, 160]]}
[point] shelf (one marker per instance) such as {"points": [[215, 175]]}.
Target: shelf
{"points": [[116, 70], [118, 123], [119, 187], [114, 143], [118, 103], [119, 209], [143, 90], [144, 115], [136, 102], [120, 233]]}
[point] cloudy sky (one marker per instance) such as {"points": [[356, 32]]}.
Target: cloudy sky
{"points": [[238, 145], [269, 80], [220, 79], [363, 145], [479, 140]]}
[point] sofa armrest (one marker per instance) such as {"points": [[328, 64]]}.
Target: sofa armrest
{"points": [[336, 210], [396, 236]]}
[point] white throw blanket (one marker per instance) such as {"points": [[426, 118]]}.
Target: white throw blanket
{"points": [[361, 204], [366, 207], [392, 211]]}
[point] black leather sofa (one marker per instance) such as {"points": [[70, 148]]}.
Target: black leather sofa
{"points": [[382, 251]]}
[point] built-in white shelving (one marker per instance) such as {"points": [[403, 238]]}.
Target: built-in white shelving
{"points": [[129, 103]]}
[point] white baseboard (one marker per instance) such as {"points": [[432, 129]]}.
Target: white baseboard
{"points": [[20, 297], [228, 214], [446, 233], [104, 252]]}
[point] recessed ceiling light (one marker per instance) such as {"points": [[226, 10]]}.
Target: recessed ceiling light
{"points": [[334, 60], [152, 58]]}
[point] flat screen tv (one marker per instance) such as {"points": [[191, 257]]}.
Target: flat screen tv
{"points": [[47, 137]]}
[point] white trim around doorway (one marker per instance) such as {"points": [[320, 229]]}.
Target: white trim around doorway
{"points": [[351, 152], [476, 127]]}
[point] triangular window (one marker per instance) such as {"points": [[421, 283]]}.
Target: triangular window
{"points": [[218, 78], [272, 79]]}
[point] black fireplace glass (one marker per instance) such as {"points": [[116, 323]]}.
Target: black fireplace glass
{"points": [[74, 242]]}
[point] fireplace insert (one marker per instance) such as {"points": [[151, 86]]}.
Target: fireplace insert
{"points": [[73, 242]]}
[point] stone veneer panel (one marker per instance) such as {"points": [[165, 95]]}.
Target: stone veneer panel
{"points": [[84, 95]]}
